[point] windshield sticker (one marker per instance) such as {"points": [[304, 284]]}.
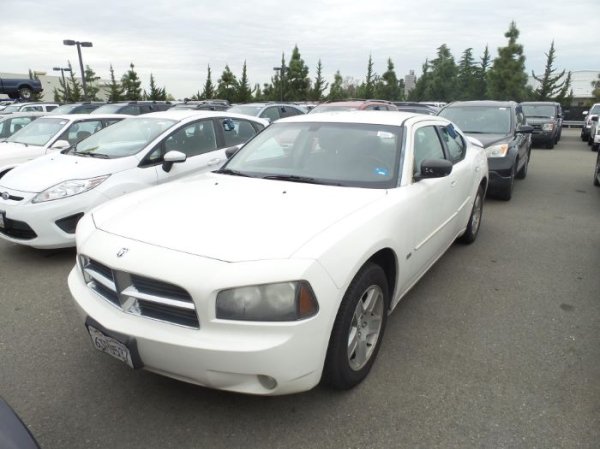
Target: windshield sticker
{"points": [[380, 171], [385, 135]]}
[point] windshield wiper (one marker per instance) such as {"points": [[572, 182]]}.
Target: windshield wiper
{"points": [[86, 154], [304, 179], [228, 171]]}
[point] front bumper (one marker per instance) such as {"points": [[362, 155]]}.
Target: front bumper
{"points": [[35, 224], [543, 136], [500, 170], [221, 354]]}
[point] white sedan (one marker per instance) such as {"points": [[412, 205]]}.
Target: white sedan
{"points": [[48, 134], [42, 200], [280, 268]]}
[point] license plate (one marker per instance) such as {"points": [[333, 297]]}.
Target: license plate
{"points": [[111, 346], [2, 214]]}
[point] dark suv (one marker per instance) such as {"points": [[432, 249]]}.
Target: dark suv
{"points": [[133, 107], [506, 137], [78, 108], [546, 120], [350, 105]]}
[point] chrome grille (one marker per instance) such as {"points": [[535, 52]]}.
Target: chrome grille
{"points": [[140, 295]]}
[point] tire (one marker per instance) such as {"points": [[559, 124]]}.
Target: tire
{"points": [[25, 93], [590, 141], [595, 146], [474, 223], [550, 144], [364, 306], [522, 173], [597, 171], [506, 193]]}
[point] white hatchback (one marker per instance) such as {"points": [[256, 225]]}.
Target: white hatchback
{"points": [[48, 134], [41, 201], [282, 266]]}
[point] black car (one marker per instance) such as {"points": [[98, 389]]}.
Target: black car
{"points": [[546, 119], [133, 107], [78, 108], [503, 130]]}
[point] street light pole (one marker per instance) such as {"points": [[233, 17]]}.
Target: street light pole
{"points": [[79, 45], [62, 72], [281, 70]]}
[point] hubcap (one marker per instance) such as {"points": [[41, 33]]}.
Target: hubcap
{"points": [[476, 217], [365, 327]]}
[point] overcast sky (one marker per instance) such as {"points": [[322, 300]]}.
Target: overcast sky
{"points": [[177, 39]]}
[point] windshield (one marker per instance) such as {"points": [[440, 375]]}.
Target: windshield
{"points": [[344, 154], [539, 110], [332, 108], [125, 138], [479, 119], [107, 109], [248, 110], [595, 110], [39, 132], [64, 109], [13, 108]]}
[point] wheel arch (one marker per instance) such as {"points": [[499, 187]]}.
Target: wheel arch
{"points": [[387, 260]]}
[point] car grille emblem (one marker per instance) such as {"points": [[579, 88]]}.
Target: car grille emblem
{"points": [[5, 195], [122, 252]]}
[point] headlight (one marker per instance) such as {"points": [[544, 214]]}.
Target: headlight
{"points": [[68, 188], [497, 150], [283, 301], [548, 126]]}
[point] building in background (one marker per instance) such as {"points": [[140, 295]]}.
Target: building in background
{"points": [[410, 81], [581, 85]]}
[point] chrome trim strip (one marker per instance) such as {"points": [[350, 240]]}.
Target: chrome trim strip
{"points": [[135, 293], [100, 278]]}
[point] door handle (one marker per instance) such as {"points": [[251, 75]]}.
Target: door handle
{"points": [[214, 161], [453, 184]]}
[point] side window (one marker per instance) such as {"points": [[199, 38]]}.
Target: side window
{"points": [[427, 145], [32, 108], [79, 131], [288, 111], [193, 139], [132, 110], [240, 132], [50, 108], [111, 121], [454, 142], [271, 113], [520, 117]]}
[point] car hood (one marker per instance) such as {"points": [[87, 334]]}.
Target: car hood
{"points": [[13, 150], [491, 139], [231, 218], [47, 171]]}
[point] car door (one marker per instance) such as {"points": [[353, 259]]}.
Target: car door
{"points": [[523, 141], [430, 206], [198, 141]]}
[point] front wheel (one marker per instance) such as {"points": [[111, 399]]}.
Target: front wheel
{"points": [[597, 171], [522, 173], [358, 329], [474, 223], [25, 93]]}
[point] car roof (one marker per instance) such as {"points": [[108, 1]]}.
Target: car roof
{"points": [[554, 103], [23, 114], [482, 103], [80, 117], [392, 118], [183, 114]]}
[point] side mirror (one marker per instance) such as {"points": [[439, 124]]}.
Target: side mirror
{"points": [[172, 157], [230, 152], [525, 129], [475, 141], [60, 145], [434, 168]]}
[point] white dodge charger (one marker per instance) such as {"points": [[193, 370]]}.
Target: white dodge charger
{"points": [[279, 269]]}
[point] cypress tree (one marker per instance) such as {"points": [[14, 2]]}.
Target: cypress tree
{"points": [[115, 88], [244, 93], [320, 85], [209, 89], [131, 83], [550, 82], [298, 82]]}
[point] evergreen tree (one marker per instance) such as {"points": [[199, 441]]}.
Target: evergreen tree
{"points": [[115, 89], [257, 93], [209, 89], [227, 85], [422, 84], [244, 93], [367, 88], [75, 92], [596, 88], [550, 82], [336, 92], [91, 83], [442, 84], [565, 96], [507, 79], [467, 77], [269, 93], [156, 93], [298, 82], [320, 85], [131, 84], [57, 97], [480, 84], [35, 96], [388, 87]]}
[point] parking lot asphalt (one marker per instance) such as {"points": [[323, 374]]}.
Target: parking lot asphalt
{"points": [[498, 346]]}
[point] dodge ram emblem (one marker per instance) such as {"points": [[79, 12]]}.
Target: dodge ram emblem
{"points": [[122, 252]]}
